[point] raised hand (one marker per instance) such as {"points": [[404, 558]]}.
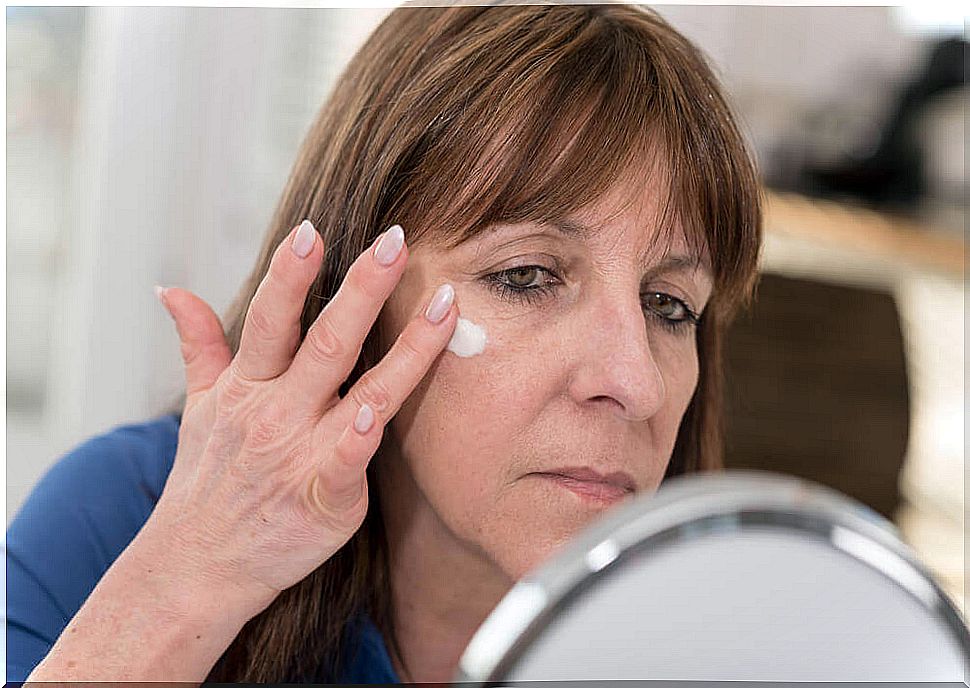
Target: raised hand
{"points": [[269, 476]]}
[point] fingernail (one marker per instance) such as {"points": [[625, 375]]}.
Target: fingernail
{"points": [[303, 239], [364, 419], [389, 245], [440, 303], [160, 293]]}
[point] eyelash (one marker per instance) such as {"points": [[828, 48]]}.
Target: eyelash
{"points": [[532, 295]]}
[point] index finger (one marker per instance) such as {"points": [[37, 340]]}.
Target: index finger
{"points": [[271, 329]]}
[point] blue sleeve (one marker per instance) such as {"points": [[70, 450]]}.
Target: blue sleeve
{"points": [[75, 522]]}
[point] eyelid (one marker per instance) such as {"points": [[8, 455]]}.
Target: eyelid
{"points": [[529, 261], [677, 293]]}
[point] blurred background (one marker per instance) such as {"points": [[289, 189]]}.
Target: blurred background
{"points": [[149, 146]]}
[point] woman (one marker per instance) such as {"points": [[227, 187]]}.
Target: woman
{"points": [[347, 496]]}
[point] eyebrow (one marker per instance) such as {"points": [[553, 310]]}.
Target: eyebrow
{"points": [[578, 230], [571, 228], [675, 263]]}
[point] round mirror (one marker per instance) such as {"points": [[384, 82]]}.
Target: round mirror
{"points": [[738, 575]]}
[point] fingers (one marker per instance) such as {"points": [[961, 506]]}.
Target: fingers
{"points": [[385, 387], [340, 480], [271, 331], [205, 351], [333, 342]]}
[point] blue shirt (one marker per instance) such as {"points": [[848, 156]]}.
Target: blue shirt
{"points": [[79, 517]]}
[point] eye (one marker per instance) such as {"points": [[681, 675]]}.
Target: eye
{"points": [[525, 284], [672, 312], [518, 284]]}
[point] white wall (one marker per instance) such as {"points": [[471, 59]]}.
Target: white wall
{"points": [[188, 120]]}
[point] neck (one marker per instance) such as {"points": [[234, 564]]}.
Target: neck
{"points": [[442, 588]]}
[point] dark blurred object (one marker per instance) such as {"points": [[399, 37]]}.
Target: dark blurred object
{"points": [[816, 387], [892, 175]]}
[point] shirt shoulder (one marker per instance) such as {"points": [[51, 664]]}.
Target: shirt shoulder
{"points": [[368, 660], [81, 514]]}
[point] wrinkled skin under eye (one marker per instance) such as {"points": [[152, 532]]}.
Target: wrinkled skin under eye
{"points": [[516, 285]]}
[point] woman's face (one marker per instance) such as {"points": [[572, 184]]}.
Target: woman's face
{"points": [[591, 369]]}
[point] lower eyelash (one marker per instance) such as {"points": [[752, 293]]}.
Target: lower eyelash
{"points": [[530, 295], [512, 294], [677, 326], [533, 295]]}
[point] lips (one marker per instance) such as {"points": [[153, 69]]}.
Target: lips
{"points": [[584, 474]]}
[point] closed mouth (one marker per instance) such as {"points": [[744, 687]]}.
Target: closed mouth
{"points": [[618, 479], [599, 490]]}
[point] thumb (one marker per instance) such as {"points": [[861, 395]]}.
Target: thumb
{"points": [[205, 351]]}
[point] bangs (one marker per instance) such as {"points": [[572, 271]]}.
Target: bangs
{"points": [[568, 108]]}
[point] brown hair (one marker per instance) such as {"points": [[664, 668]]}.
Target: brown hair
{"points": [[450, 119]]}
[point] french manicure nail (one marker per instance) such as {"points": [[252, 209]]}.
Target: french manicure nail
{"points": [[160, 293], [440, 303], [389, 245], [303, 239]]}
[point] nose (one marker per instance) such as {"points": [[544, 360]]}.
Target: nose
{"points": [[616, 365]]}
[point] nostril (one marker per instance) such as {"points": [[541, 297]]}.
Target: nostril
{"points": [[603, 398]]}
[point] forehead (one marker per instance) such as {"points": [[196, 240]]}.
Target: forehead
{"points": [[634, 217], [640, 206], [633, 213]]}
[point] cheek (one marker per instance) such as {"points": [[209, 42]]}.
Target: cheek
{"points": [[676, 357], [468, 412], [685, 371], [467, 434], [679, 365]]}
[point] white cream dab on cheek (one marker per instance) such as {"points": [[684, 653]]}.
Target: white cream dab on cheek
{"points": [[468, 340]]}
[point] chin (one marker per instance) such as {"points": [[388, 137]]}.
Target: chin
{"points": [[522, 557], [531, 525]]}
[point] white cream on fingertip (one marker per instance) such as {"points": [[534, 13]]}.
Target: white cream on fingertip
{"points": [[468, 340]]}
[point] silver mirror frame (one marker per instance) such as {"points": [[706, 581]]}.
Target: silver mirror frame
{"points": [[683, 508]]}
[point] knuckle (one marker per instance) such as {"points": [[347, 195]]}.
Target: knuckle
{"points": [[342, 455], [261, 323], [233, 391], [190, 353], [323, 342], [372, 391], [266, 430], [409, 347]]}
